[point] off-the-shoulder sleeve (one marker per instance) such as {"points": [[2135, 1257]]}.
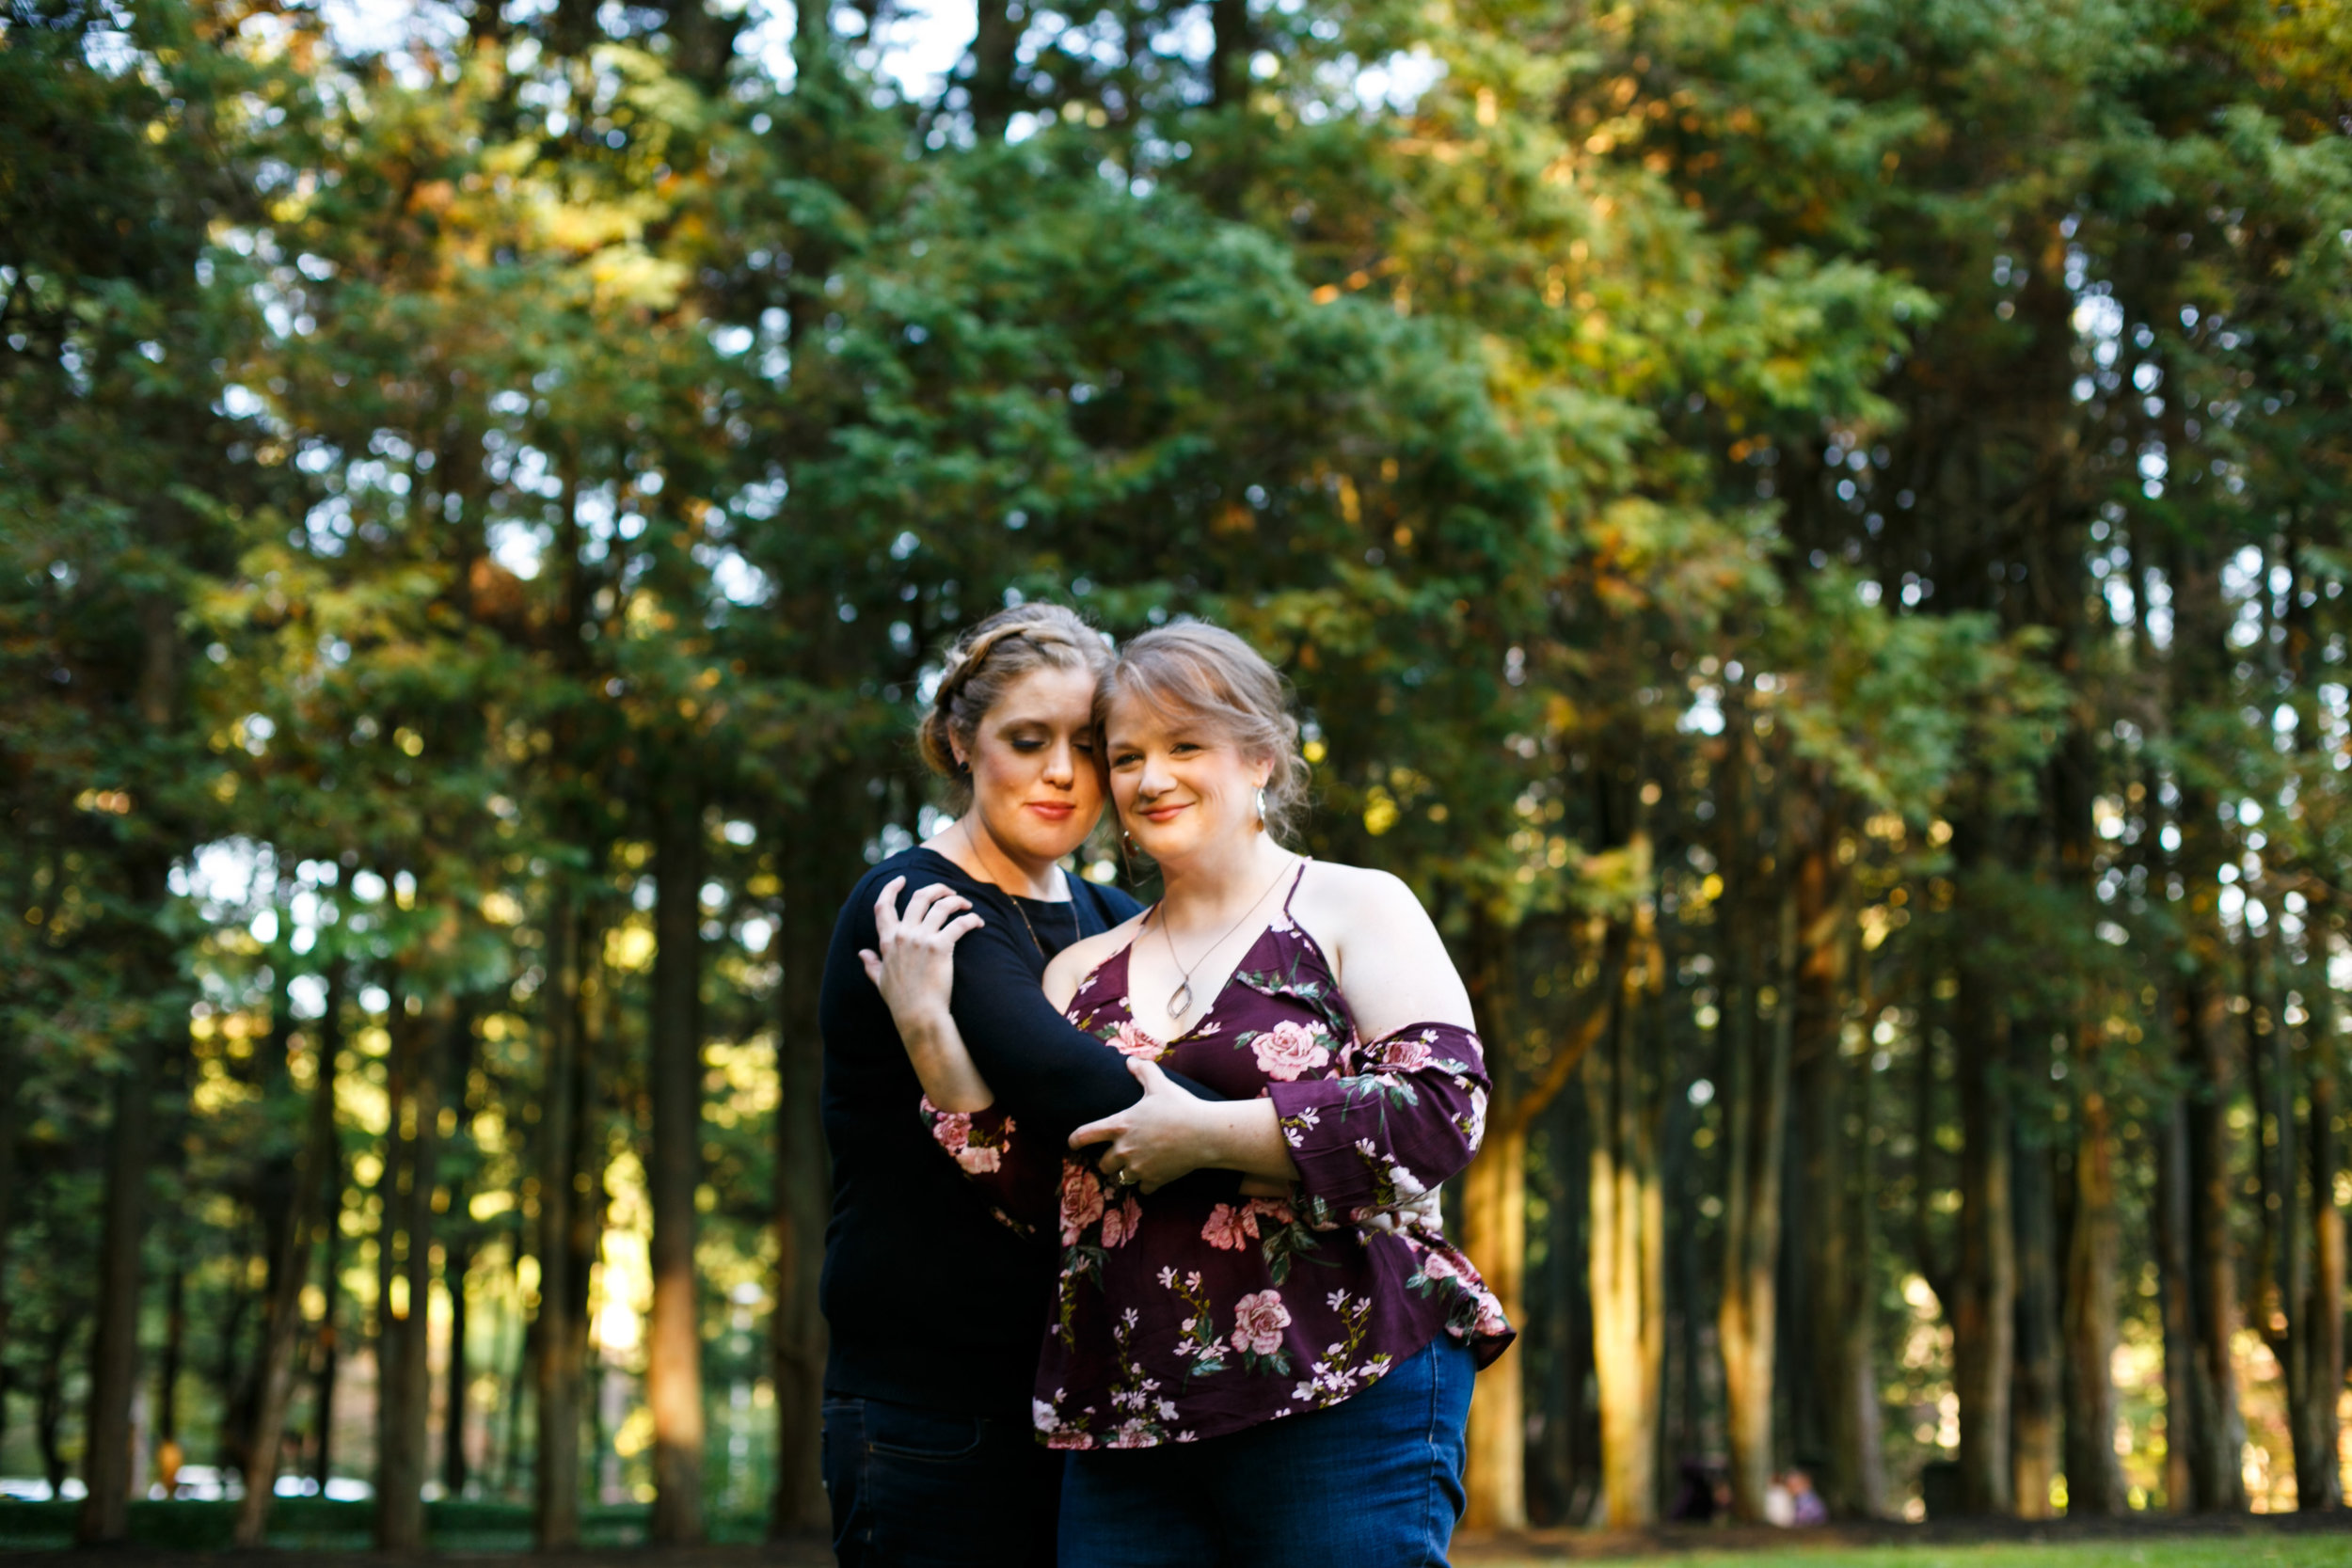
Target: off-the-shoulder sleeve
{"points": [[1017, 1178], [1382, 1136]]}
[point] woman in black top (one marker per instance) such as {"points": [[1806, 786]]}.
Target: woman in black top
{"points": [[933, 1305]]}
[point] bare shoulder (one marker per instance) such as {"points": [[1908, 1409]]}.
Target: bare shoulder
{"points": [[1074, 963], [1357, 899], [1388, 956]]}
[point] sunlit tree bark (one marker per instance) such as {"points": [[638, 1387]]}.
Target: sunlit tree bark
{"points": [[558, 1340], [1629, 1253], [105, 1514], [674, 1385], [1983, 1315], [290, 1272], [2094, 1478]]}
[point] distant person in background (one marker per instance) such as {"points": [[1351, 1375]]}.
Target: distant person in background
{"points": [[1804, 1504], [933, 1305], [1270, 1372]]}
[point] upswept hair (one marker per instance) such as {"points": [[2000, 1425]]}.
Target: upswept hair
{"points": [[984, 662], [1203, 672]]}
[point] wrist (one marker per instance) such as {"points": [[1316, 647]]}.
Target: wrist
{"points": [[924, 1028], [1225, 1134]]}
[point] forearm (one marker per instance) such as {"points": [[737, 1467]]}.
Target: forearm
{"points": [[936, 1046], [1049, 1072], [1244, 1136]]}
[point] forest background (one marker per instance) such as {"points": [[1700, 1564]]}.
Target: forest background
{"points": [[1812, 532]]}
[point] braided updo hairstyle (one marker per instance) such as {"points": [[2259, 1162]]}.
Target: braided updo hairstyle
{"points": [[984, 662]]}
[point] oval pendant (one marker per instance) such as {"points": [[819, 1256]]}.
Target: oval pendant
{"points": [[1180, 1001]]}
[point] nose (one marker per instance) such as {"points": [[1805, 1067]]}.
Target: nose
{"points": [[1061, 764], [1153, 779]]}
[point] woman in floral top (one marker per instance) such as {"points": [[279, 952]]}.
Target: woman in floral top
{"points": [[1273, 1369]]}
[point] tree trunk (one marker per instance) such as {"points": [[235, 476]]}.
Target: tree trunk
{"points": [[456, 1261], [555, 1479], [1494, 1216], [275, 1200], [330, 1346], [2318, 1475], [2094, 1478], [105, 1514], [1626, 1216], [1984, 1304], [49, 1403], [1494, 1231], [289, 1270], [2187, 1402], [168, 1370], [802, 1199], [673, 1386], [994, 86], [1835, 1201], [9, 1118], [406, 1392], [2036, 1395], [1566, 1457], [458, 1252], [2218, 1427], [1756, 1117], [1232, 43]]}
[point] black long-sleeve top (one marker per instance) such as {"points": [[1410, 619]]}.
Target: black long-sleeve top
{"points": [[930, 1300]]}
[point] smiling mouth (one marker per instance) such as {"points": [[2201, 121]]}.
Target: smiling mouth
{"points": [[1052, 808], [1162, 813]]}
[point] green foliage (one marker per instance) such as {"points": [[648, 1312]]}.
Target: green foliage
{"points": [[1684, 451]]}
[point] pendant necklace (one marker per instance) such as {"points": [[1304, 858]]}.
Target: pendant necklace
{"points": [[1077, 918], [1180, 1000]]}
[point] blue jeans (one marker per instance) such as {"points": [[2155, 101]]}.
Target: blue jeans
{"points": [[1374, 1481], [916, 1488]]}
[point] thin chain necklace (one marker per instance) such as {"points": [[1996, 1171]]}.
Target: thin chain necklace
{"points": [[1180, 1000], [1077, 918]]}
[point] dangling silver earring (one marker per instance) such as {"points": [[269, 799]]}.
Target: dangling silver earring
{"points": [[1262, 805]]}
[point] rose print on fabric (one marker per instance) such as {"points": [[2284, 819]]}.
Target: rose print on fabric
{"points": [[1131, 1041], [978, 1141], [1229, 1229], [1289, 1052], [1081, 1200], [953, 1128], [1259, 1319], [1402, 1053], [1120, 1222]]}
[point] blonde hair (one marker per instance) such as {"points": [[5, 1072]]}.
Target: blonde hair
{"points": [[984, 662], [1203, 672]]}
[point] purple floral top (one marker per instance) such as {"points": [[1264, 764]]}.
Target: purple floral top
{"points": [[1181, 1316]]}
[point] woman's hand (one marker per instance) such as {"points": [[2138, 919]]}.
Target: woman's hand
{"points": [[916, 970], [1170, 1134]]}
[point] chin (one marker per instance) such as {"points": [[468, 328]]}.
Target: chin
{"points": [[1175, 846], [1052, 843]]}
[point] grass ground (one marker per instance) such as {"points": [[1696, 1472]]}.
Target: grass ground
{"points": [[476, 1535], [2145, 1541], [2308, 1552]]}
